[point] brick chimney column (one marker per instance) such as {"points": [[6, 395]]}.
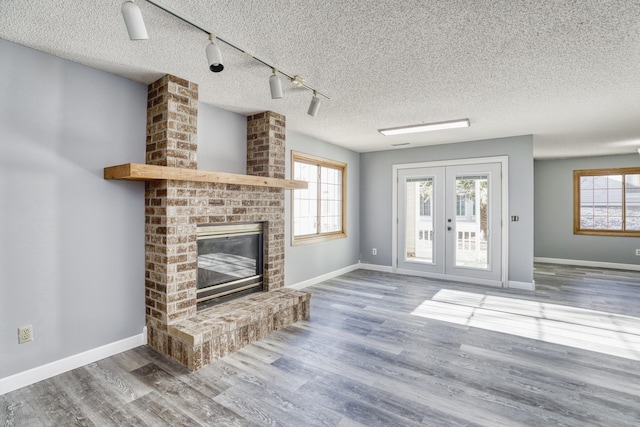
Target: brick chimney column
{"points": [[266, 151]]}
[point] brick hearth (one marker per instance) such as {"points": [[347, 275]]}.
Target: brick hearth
{"points": [[173, 209]]}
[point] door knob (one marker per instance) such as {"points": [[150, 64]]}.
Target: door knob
{"points": [[449, 228], [449, 220]]}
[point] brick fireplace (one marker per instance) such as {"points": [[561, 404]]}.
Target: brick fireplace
{"points": [[173, 211]]}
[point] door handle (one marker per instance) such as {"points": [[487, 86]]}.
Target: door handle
{"points": [[449, 228]]}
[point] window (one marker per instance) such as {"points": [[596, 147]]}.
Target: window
{"points": [[607, 202], [319, 212]]}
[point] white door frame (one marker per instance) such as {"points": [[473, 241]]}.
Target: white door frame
{"points": [[504, 161]]}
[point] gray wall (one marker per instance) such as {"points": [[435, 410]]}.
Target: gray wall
{"points": [[222, 143], [554, 236], [308, 261], [222, 140], [376, 202], [71, 243]]}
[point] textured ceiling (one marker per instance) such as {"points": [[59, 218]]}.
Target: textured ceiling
{"points": [[565, 71]]}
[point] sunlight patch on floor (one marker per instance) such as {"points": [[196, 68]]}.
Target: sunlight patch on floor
{"points": [[592, 330]]}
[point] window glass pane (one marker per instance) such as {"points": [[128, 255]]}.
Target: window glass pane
{"points": [[586, 212], [615, 223], [600, 181], [615, 181], [600, 197], [632, 202], [586, 182], [304, 200], [615, 198], [419, 220], [472, 246], [586, 197], [586, 222], [599, 222], [323, 197], [632, 181]]}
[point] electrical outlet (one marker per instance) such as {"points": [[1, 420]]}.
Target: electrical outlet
{"points": [[25, 334], [374, 251], [638, 252]]}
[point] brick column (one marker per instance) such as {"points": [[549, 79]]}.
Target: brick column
{"points": [[266, 144], [170, 236], [172, 120], [266, 151]]}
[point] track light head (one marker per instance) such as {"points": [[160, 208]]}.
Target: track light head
{"points": [[214, 56], [276, 85], [133, 21], [315, 105]]}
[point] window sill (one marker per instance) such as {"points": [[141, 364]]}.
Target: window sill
{"points": [[305, 240]]}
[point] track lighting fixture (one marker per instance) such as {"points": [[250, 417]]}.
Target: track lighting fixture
{"points": [[214, 56], [133, 21], [276, 85], [315, 105], [137, 31]]}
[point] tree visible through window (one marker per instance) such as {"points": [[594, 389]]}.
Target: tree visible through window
{"points": [[606, 201], [319, 210]]}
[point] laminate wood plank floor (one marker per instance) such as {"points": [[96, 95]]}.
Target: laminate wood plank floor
{"points": [[375, 353]]}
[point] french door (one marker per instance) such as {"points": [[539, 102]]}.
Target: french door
{"points": [[450, 222]]}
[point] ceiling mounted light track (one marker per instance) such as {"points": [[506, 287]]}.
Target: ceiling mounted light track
{"points": [[137, 31], [426, 127]]}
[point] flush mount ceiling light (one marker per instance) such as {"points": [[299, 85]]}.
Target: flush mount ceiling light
{"points": [[133, 21], [137, 31], [462, 123]]}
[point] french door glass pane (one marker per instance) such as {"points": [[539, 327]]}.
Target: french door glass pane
{"points": [[419, 219], [471, 246]]}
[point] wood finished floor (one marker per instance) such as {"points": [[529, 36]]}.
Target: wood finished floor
{"points": [[363, 359]]}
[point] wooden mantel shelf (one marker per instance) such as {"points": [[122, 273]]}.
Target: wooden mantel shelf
{"points": [[143, 172]]}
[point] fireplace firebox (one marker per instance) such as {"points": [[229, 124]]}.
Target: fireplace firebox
{"points": [[230, 262]]}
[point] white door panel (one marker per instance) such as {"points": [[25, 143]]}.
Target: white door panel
{"points": [[449, 221]]}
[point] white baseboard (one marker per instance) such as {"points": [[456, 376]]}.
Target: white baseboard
{"points": [[376, 267], [583, 263], [389, 269], [61, 366], [336, 273], [327, 276], [439, 276], [522, 285]]}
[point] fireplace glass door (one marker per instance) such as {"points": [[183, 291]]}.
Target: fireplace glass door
{"points": [[230, 262]]}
